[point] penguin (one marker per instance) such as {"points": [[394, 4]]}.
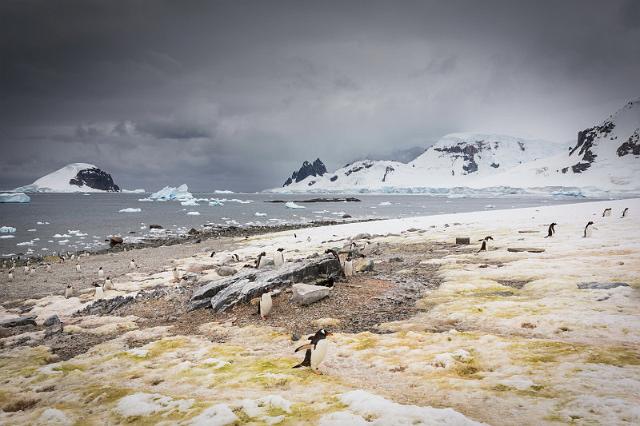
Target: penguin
{"points": [[278, 258], [259, 260], [99, 294], [333, 252], [265, 305], [485, 243], [348, 267], [309, 239], [73, 256], [176, 275], [294, 235], [78, 269], [132, 264], [27, 270], [213, 253], [315, 351], [624, 212], [100, 272], [68, 292], [552, 230], [588, 229], [48, 268], [606, 212], [108, 284], [10, 276]]}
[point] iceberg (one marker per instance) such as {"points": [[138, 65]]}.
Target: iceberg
{"points": [[130, 210], [14, 197], [133, 191], [223, 191], [168, 193], [7, 229], [191, 202], [292, 205], [193, 213]]}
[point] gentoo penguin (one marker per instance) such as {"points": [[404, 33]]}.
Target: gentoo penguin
{"points": [[315, 351], [624, 212], [48, 267], [68, 292], [73, 256], [259, 259], [176, 275], [213, 253], [294, 235], [132, 264], [348, 267], [606, 212], [278, 258], [108, 284], [265, 305], [27, 269], [587, 229], [333, 252], [10, 276], [485, 244], [100, 272], [235, 257], [99, 294], [78, 269], [309, 239], [552, 230]]}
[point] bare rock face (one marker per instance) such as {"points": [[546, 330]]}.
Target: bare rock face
{"points": [[306, 294], [307, 169], [18, 321], [250, 283], [96, 179]]}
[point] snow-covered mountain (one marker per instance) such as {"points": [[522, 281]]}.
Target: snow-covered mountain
{"points": [[603, 161], [308, 169], [75, 177]]}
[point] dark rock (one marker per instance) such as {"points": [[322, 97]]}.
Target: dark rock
{"points": [[463, 241], [527, 249], [193, 231], [317, 200], [250, 283], [585, 144], [18, 321], [600, 286], [396, 259], [346, 216], [114, 241], [96, 179], [155, 227], [307, 169], [52, 320], [54, 326]]}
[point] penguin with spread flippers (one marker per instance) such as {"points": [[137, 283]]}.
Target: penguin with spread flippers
{"points": [[264, 305], [588, 230], [315, 350], [485, 243], [552, 230]]}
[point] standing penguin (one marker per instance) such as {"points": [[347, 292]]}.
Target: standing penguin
{"points": [[265, 305], [348, 266], [108, 284], [588, 230], [100, 272], [10, 276], [213, 253], [78, 269], [606, 212], [552, 230], [132, 264], [624, 212], [176, 275], [68, 292], [48, 267], [485, 244], [278, 258], [315, 351], [27, 269], [99, 294], [259, 259]]}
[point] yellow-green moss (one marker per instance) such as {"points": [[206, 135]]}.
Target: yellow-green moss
{"points": [[618, 356], [165, 345]]}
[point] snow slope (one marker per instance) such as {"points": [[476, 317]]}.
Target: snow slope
{"points": [[59, 181], [603, 162]]}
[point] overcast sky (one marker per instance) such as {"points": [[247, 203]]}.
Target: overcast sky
{"points": [[237, 94]]}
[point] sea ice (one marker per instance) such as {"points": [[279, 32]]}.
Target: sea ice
{"points": [[7, 229], [292, 205], [260, 214], [193, 213], [14, 197], [130, 210]]}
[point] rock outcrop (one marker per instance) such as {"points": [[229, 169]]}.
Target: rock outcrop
{"points": [[96, 179], [316, 169]]}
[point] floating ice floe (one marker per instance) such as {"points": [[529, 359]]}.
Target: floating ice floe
{"points": [[193, 213], [292, 205], [216, 203], [133, 191], [7, 230], [130, 210], [260, 214], [14, 197], [223, 191], [42, 223], [6, 237], [168, 193], [385, 203], [26, 243], [191, 202]]}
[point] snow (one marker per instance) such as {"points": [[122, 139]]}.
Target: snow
{"points": [[58, 181], [217, 415], [369, 409], [181, 193], [53, 416], [130, 210], [259, 214], [14, 197], [144, 404], [292, 205], [502, 165], [7, 229]]}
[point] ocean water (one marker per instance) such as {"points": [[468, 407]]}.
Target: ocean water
{"points": [[71, 222]]}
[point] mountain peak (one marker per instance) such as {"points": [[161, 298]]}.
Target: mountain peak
{"points": [[317, 168], [74, 177]]}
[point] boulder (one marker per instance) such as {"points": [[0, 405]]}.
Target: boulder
{"points": [[362, 236], [155, 226], [346, 216], [249, 283], [306, 294], [114, 241], [52, 320], [193, 231], [326, 322], [463, 241], [226, 271], [365, 265], [600, 286], [18, 321]]}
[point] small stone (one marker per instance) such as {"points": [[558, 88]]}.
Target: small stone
{"points": [[114, 241], [463, 241], [155, 226], [306, 294], [346, 216], [52, 320], [396, 259], [226, 271]]}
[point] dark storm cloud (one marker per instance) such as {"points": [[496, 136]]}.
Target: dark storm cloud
{"points": [[237, 93]]}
